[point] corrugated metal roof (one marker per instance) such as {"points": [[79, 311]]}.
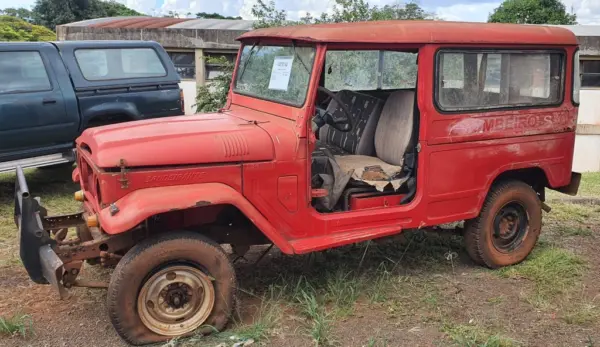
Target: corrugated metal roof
{"points": [[219, 24], [583, 30], [142, 22], [420, 32]]}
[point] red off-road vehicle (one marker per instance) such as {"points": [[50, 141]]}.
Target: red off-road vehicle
{"points": [[332, 134]]}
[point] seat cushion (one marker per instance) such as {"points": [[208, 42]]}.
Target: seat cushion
{"points": [[365, 111], [372, 171], [395, 127]]}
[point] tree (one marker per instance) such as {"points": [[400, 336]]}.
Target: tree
{"points": [[211, 98], [532, 12], [16, 29], [21, 13], [51, 13], [205, 15]]}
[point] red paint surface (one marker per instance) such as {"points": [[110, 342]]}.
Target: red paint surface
{"points": [[252, 154], [419, 32]]}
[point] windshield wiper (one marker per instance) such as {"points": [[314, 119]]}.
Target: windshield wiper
{"points": [[299, 57], [247, 60]]}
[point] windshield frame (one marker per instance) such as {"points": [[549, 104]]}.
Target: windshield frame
{"points": [[259, 44]]}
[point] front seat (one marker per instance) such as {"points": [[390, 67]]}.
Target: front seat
{"points": [[392, 138], [365, 111]]}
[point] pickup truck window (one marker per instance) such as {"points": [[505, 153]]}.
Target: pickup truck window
{"points": [[99, 64], [23, 72]]}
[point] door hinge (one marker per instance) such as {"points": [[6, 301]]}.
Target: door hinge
{"points": [[123, 177]]}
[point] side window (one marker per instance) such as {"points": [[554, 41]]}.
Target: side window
{"points": [[590, 73], [576, 78], [185, 64], [97, 64], [370, 70], [471, 80], [353, 70], [23, 72]]}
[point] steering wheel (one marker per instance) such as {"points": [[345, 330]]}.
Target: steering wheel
{"points": [[323, 117]]}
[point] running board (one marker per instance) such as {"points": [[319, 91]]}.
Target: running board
{"points": [[44, 160]]}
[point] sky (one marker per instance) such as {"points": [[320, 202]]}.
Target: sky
{"points": [[588, 11]]}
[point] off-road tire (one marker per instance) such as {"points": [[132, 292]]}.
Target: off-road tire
{"points": [[145, 259], [478, 232]]}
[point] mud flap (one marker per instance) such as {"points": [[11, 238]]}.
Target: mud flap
{"points": [[573, 187]]}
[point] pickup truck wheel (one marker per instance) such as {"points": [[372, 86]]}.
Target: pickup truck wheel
{"points": [[171, 286], [508, 226]]}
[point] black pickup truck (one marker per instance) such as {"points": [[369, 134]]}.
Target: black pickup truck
{"points": [[51, 91]]}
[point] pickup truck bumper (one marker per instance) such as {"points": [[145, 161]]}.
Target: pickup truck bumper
{"points": [[36, 247]]}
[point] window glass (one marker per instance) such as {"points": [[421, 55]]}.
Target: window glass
{"points": [[278, 73], [576, 78], [399, 70], [492, 80], [22, 72], [352, 70], [185, 64], [590, 73], [370, 70], [119, 63]]}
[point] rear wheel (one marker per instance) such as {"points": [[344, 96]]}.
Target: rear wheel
{"points": [[171, 286], [508, 226]]}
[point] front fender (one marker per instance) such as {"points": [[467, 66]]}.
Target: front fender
{"points": [[141, 204]]}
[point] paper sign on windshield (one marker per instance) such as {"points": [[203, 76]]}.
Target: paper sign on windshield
{"points": [[280, 74]]}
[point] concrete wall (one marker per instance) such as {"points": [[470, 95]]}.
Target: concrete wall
{"points": [[167, 37], [587, 141], [189, 93]]}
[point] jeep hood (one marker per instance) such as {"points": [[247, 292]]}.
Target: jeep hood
{"points": [[181, 140]]}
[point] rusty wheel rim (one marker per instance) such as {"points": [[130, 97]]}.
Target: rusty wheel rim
{"points": [[510, 226], [176, 300]]}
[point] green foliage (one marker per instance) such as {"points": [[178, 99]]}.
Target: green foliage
{"points": [[213, 96], [16, 29], [552, 270], [51, 13], [532, 12], [18, 324], [343, 11], [474, 336], [21, 13], [205, 15]]}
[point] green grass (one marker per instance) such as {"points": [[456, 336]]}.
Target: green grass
{"points": [[552, 270], [583, 313], [319, 321], [573, 230], [18, 324], [475, 336]]}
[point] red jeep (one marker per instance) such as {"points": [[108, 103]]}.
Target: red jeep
{"points": [[332, 134]]}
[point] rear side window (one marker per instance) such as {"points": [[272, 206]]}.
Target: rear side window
{"points": [[23, 72], [99, 64], [487, 80]]}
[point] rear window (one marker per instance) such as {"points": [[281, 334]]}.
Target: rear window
{"points": [[99, 64], [23, 72], [484, 80]]}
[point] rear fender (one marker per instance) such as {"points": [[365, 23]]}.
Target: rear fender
{"points": [[136, 207]]}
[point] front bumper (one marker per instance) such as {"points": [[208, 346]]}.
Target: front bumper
{"points": [[36, 246]]}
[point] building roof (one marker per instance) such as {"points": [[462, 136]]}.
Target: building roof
{"points": [[583, 30], [142, 22], [420, 32]]}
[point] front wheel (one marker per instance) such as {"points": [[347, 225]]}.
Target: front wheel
{"points": [[508, 226], [171, 286]]}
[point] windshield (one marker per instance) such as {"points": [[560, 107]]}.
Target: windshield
{"points": [[277, 73]]}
